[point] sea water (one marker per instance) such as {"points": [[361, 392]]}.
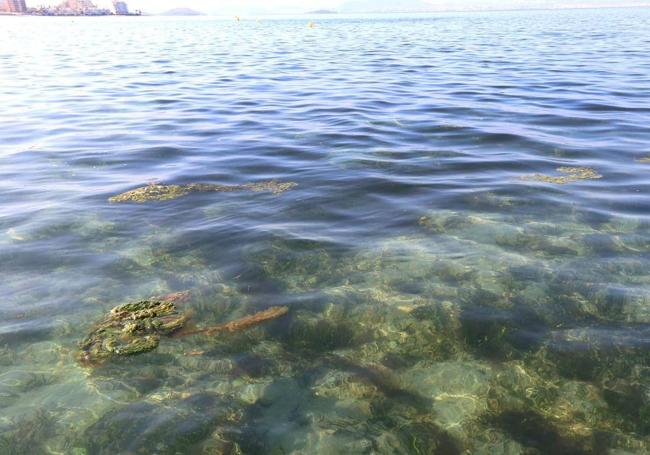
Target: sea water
{"points": [[465, 252]]}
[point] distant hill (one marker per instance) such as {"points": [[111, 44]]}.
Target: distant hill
{"points": [[385, 6], [181, 12], [322, 11]]}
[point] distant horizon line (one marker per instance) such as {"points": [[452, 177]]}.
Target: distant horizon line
{"points": [[333, 11], [475, 10]]}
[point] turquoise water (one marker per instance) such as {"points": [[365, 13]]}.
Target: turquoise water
{"points": [[449, 290]]}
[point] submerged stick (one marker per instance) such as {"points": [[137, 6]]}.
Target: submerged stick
{"points": [[239, 324]]}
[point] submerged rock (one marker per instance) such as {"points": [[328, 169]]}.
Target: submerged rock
{"points": [[572, 174], [160, 192]]}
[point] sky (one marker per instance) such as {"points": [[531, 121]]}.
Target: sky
{"points": [[244, 7]]}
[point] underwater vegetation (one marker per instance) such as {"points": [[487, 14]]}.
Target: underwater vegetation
{"points": [[411, 295], [131, 329], [26, 435], [502, 325], [134, 328], [573, 174], [181, 426], [526, 235], [160, 192], [477, 333]]}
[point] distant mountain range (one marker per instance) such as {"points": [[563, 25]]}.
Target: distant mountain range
{"points": [[181, 12], [322, 11]]}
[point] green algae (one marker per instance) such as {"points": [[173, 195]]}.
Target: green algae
{"points": [[573, 174], [135, 328], [156, 258], [7, 356], [457, 337], [489, 199], [26, 435], [522, 234], [321, 334], [393, 295], [130, 329], [573, 415], [161, 192], [182, 424], [271, 186]]}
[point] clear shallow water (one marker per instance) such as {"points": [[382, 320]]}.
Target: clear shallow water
{"points": [[439, 303]]}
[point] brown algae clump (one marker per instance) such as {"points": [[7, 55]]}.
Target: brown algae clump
{"points": [[131, 329], [160, 192], [271, 186], [134, 328], [572, 174], [152, 192]]}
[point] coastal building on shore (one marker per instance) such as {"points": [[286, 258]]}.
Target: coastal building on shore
{"points": [[78, 6], [13, 6], [66, 8], [72, 8]]}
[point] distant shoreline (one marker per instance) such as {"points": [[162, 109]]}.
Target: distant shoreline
{"points": [[70, 12], [7, 14], [576, 8]]}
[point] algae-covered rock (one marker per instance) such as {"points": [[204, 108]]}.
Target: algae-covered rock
{"points": [[152, 192], [270, 186], [131, 329], [572, 174], [134, 328], [161, 192]]}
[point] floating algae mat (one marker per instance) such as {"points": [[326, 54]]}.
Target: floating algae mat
{"points": [[134, 328], [572, 174], [160, 192]]}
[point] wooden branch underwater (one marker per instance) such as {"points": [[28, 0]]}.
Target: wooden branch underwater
{"points": [[238, 324]]}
